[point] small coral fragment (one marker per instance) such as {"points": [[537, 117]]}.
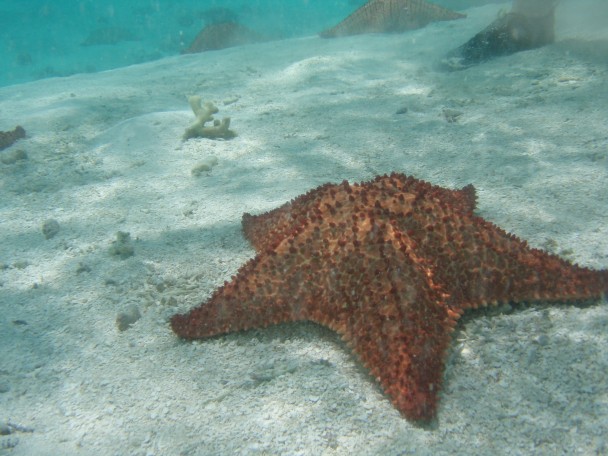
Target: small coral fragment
{"points": [[204, 113], [50, 228], [204, 166], [122, 246], [125, 319]]}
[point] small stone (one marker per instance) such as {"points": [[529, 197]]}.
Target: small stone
{"points": [[13, 156], [204, 166], [50, 228], [542, 340], [21, 264], [122, 246], [170, 301], [83, 267], [451, 115], [125, 319]]}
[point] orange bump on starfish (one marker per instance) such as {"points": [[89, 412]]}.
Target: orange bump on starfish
{"points": [[378, 16], [390, 265]]}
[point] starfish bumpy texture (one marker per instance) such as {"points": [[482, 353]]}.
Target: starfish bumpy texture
{"points": [[390, 265], [378, 16]]}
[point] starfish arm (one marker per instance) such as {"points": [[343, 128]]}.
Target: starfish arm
{"points": [[258, 296], [510, 270], [478, 262], [485, 265], [373, 17], [406, 354], [400, 326], [265, 231]]}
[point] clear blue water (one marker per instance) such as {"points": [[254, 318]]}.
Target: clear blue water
{"points": [[41, 38]]}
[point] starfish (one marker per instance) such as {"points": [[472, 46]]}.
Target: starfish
{"points": [[391, 16], [390, 265], [222, 35]]}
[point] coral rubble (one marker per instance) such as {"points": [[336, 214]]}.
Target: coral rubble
{"points": [[204, 113]]}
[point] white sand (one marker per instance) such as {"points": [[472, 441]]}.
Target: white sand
{"points": [[105, 155]]}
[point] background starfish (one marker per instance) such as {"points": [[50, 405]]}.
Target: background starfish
{"points": [[220, 36], [390, 265], [378, 16]]}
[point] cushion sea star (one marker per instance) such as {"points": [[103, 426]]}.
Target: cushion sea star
{"points": [[390, 265], [378, 16]]}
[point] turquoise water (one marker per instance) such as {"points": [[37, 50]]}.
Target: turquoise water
{"points": [[43, 39]]}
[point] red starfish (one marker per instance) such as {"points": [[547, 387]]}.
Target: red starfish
{"points": [[378, 16], [390, 265], [222, 35]]}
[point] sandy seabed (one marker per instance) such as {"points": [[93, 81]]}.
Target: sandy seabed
{"points": [[105, 155]]}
